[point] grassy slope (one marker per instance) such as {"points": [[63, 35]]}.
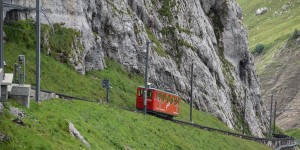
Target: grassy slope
{"points": [[108, 127], [47, 121], [64, 80], [294, 133], [271, 29]]}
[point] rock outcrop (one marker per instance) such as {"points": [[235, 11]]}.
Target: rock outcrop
{"points": [[17, 112], [75, 133], [261, 11], [208, 33], [1, 109]]}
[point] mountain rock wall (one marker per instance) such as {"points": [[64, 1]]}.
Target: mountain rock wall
{"points": [[208, 33]]}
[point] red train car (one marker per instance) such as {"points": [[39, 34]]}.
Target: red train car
{"points": [[158, 101]]}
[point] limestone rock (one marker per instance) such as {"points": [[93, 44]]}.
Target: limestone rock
{"points": [[17, 112], [4, 138], [261, 11], [1, 109], [75, 133], [4, 37]]}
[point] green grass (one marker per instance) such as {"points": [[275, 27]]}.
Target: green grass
{"points": [[107, 127], [271, 29], [201, 118], [61, 78], [295, 133], [89, 86]]}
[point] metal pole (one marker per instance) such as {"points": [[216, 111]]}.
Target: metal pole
{"points": [[270, 130], [19, 71], [146, 78], [274, 118], [244, 115], [107, 91], [38, 51], [191, 94], [1, 34]]}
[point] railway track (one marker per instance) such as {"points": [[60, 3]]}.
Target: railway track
{"points": [[286, 142]]}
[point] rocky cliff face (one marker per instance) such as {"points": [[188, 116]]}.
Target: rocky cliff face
{"points": [[208, 33]]}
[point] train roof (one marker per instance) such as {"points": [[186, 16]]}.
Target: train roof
{"points": [[159, 90]]}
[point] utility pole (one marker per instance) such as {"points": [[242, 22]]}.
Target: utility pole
{"points": [[244, 114], [274, 117], [146, 78], [1, 34], [38, 50], [191, 94], [270, 130]]}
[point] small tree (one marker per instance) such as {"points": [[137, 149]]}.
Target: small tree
{"points": [[296, 34], [259, 49]]}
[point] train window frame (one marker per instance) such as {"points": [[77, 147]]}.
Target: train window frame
{"points": [[141, 93], [149, 94]]}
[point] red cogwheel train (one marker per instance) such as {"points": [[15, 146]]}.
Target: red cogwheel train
{"points": [[158, 101]]}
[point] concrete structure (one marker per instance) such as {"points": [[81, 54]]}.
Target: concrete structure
{"points": [[1, 78], [21, 93], [6, 86]]}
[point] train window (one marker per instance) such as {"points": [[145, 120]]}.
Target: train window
{"points": [[149, 94], [141, 92], [164, 97], [158, 95]]}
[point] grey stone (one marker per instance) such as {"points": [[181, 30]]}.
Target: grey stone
{"points": [[5, 86], [21, 93], [17, 112], [4, 37], [43, 95], [209, 33], [261, 11], [75, 133], [1, 109], [4, 93], [4, 138]]}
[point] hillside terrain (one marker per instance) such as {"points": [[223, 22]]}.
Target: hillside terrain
{"points": [[106, 40], [208, 34], [104, 126], [277, 34]]}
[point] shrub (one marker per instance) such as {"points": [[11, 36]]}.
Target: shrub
{"points": [[259, 49], [296, 34]]}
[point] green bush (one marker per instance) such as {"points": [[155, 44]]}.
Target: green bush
{"points": [[21, 32], [259, 49], [296, 34], [166, 9], [61, 41]]}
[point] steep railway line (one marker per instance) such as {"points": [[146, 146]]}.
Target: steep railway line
{"points": [[278, 141]]}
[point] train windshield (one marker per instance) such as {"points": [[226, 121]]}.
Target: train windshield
{"points": [[141, 93]]}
